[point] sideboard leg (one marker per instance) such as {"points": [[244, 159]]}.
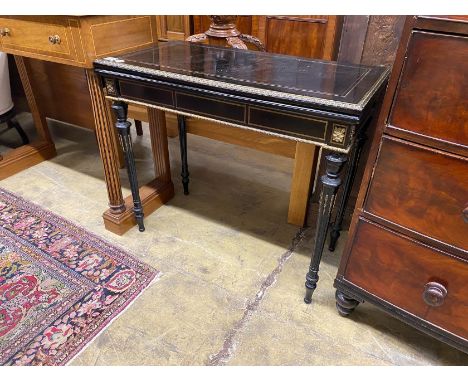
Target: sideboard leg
{"points": [[107, 144], [183, 152], [330, 183], [123, 127], [344, 304], [348, 185]]}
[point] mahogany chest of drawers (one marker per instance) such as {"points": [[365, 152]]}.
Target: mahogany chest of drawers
{"points": [[407, 250]]}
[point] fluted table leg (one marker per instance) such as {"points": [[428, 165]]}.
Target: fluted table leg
{"points": [[348, 184], [123, 127], [330, 184], [106, 143]]}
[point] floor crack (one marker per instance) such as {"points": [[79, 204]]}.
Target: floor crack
{"points": [[229, 346]]}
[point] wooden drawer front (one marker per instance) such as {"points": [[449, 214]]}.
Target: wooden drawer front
{"points": [[432, 97], [118, 36], [420, 189], [396, 269], [29, 36]]}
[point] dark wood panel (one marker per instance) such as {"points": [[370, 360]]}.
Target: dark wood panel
{"points": [[421, 189], [62, 92], [432, 99], [397, 269], [174, 27], [295, 36]]}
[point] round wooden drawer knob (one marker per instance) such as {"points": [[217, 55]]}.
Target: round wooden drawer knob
{"points": [[434, 294]]}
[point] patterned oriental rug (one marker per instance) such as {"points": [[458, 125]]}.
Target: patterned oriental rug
{"points": [[60, 285]]}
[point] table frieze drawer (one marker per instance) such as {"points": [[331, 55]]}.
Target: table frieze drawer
{"points": [[211, 107], [138, 92], [52, 38], [419, 279], [287, 123]]}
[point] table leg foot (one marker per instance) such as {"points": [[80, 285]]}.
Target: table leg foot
{"points": [[345, 304], [310, 284]]}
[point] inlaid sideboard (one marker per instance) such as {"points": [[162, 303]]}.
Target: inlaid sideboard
{"points": [[75, 41], [407, 250]]}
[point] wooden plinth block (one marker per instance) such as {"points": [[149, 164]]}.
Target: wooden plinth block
{"points": [[153, 195], [25, 156]]}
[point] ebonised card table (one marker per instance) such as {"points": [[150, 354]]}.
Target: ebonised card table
{"points": [[318, 102]]}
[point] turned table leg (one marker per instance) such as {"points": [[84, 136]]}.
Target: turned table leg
{"points": [[123, 127], [330, 183], [183, 152], [348, 184]]}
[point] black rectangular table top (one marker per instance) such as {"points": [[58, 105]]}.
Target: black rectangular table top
{"points": [[308, 82]]}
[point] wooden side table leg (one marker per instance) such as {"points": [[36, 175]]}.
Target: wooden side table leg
{"points": [[107, 144], [305, 163], [34, 152], [330, 183], [39, 119], [158, 135]]}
